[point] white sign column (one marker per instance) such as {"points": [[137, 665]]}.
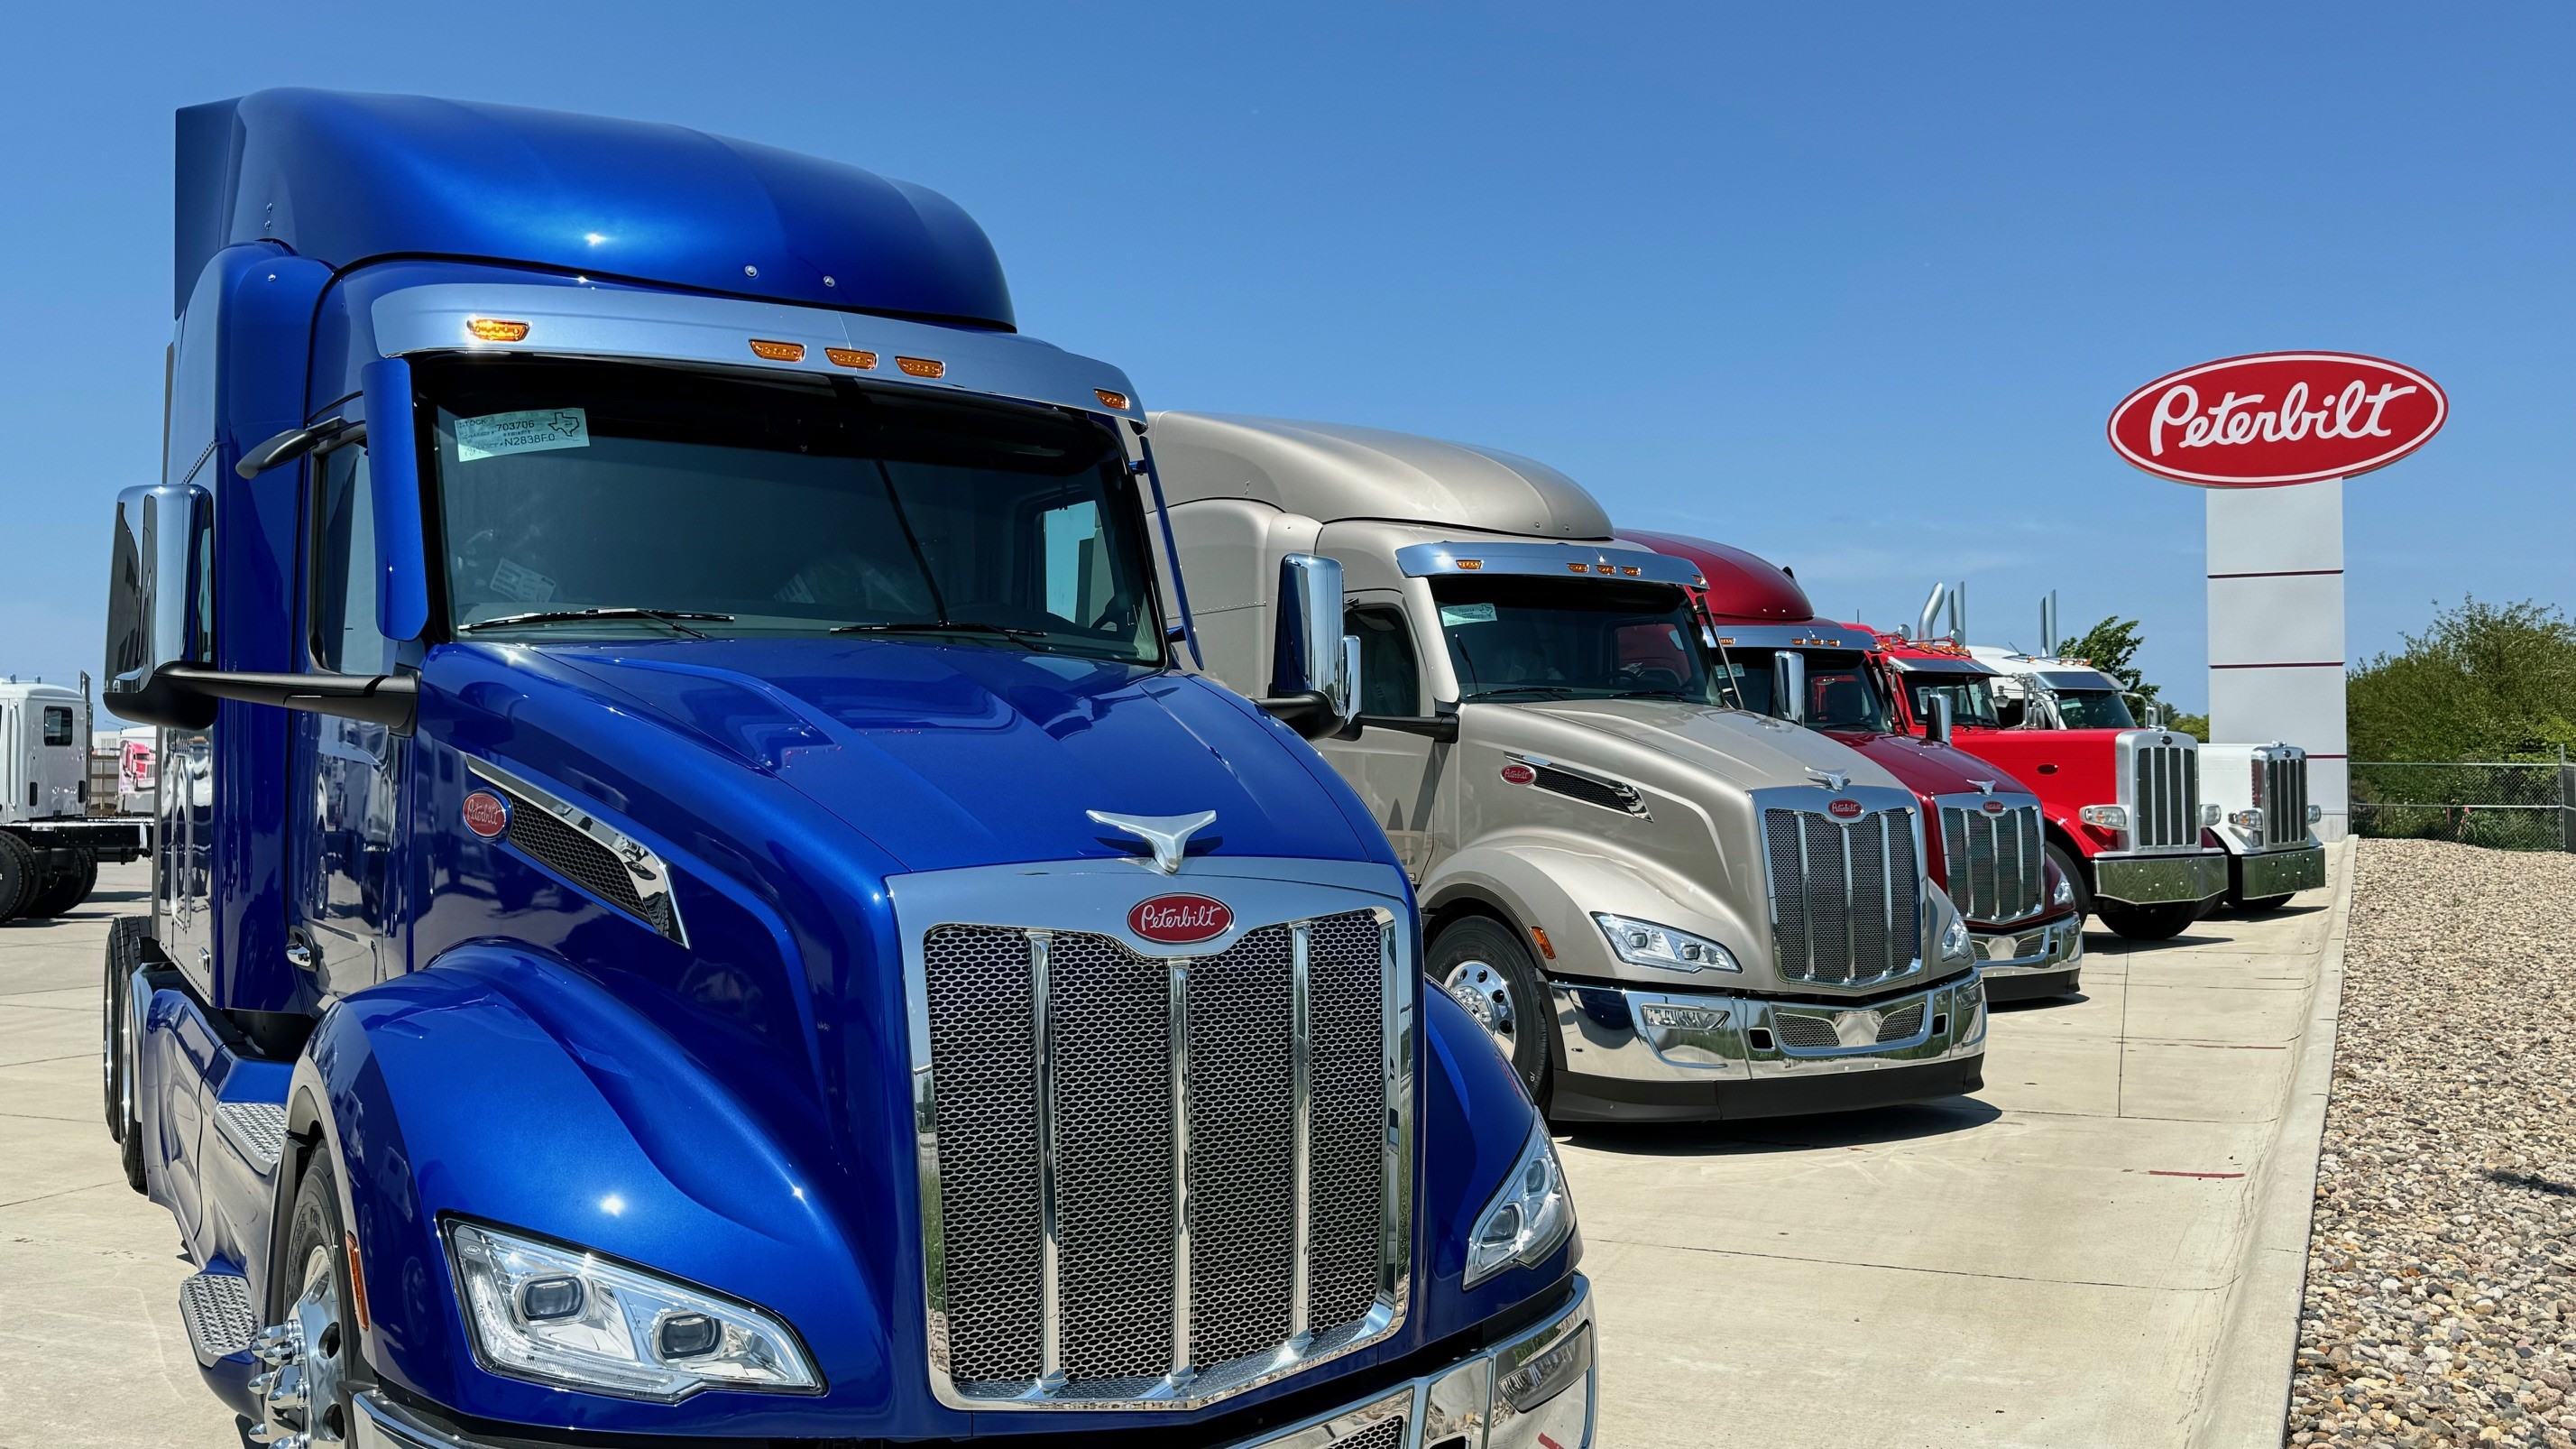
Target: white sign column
{"points": [[2276, 646]]}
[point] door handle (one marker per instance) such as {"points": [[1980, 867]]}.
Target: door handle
{"points": [[299, 952]]}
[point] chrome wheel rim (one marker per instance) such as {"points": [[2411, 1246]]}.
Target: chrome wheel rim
{"points": [[301, 1395], [1487, 997]]}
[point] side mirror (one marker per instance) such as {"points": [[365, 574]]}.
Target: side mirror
{"points": [[393, 474], [1789, 686], [160, 606], [1937, 729], [1315, 667]]}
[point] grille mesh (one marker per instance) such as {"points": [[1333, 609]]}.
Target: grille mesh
{"points": [[536, 831], [1113, 1128], [1384, 1434], [2165, 803], [1901, 1023], [1993, 863], [988, 1141], [1843, 897], [1809, 1032], [1111, 1012]]}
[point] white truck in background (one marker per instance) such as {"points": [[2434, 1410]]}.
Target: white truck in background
{"points": [[50, 846]]}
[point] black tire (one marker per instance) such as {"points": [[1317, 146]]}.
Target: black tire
{"points": [[65, 888], [1509, 999], [21, 878], [2260, 904], [2149, 923], [2073, 869], [315, 1242]]}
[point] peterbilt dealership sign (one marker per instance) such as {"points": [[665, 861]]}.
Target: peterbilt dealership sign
{"points": [[2276, 418]]}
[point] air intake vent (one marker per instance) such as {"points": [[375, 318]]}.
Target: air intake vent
{"points": [[586, 850], [1589, 788]]}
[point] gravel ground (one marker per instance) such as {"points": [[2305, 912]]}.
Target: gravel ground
{"points": [[2441, 1293]]}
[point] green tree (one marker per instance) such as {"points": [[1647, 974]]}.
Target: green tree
{"points": [[2109, 646], [2483, 682]]}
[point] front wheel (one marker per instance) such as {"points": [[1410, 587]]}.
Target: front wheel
{"points": [[2160, 922], [1484, 967], [311, 1347]]}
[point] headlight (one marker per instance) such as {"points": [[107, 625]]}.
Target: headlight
{"points": [[2316, 813], [1954, 939], [2064, 895], [2106, 817], [567, 1317], [2208, 816], [1643, 943], [2247, 819], [1527, 1219]]}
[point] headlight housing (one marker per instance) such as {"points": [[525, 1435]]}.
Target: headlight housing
{"points": [[1954, 939], [2105, 817], [1643, 943], [1529, 1217], [562, 1316], [2064, 895]]}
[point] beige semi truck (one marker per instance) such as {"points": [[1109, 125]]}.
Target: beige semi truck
{"points": [[1661, 907]]}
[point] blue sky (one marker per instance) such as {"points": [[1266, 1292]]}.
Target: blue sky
{"points": [[1852, 286]]}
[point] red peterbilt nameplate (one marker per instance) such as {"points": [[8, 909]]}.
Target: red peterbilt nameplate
{"points": [[1180, 920], [1993, 807], [486, 814], [1843, 809], [1517, 773], [2277, 418]]}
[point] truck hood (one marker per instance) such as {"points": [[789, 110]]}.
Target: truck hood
{"points": [[1747, 750], [1929, 769], [955, 755]]}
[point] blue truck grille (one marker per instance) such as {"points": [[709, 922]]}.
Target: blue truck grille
{"points": [[1117, 1153]]}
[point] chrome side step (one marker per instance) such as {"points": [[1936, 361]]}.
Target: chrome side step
{"points": [[215, 1305]]}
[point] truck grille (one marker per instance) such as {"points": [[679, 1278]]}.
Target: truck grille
{"points": [[1843, 897], [1994, 864], [1149, 1169], [2164, 796], [2281, 789]]}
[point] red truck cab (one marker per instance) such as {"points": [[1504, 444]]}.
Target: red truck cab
{"points": [[2123, 806], [1984, 834]]}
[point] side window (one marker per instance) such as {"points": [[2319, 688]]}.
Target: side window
{"points": [[345, 640], [1390, 678], [58, 725]]}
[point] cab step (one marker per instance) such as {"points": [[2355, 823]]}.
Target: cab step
{"points": [[216, 1307]]}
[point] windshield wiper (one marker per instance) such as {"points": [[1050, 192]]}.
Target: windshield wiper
{"points": [[671, 617], [1551, 691], [938, 626]]}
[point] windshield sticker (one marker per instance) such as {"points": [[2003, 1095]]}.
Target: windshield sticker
{"points": [[529, 432], [1452, 615], [522, 585]]}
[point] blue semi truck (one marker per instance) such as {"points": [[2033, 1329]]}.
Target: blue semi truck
{"points": [[700, 895]]}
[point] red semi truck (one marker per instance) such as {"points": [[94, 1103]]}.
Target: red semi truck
{"points": [[1984, 837]]}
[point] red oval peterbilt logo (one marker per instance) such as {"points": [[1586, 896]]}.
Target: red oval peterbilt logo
{"points": [[1518, 774], [2277, 418], [486, 814], [1993, 807], [1844, 809], [1180, 920]]}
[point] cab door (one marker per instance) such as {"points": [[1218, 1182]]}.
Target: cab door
{"points": [[346, 828], [1402, 776]]}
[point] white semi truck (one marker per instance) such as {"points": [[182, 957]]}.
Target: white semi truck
{"points": [[50, 847], [1660, 906]]}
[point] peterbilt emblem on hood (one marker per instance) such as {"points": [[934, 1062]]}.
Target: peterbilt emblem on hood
{"points": [[486, 814], [1169, 835], [1517, 773], [1844, 809], [1180, 920]]}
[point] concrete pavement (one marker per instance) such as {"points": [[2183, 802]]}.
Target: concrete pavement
{"points": [[2061, 1260]]}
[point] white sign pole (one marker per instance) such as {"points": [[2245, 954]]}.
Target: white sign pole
{"points": [[2276, 645]]}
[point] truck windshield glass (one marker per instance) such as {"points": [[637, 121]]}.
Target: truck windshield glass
{"points": [[1520, 638], [2094, 709], [1971, 696], [613, 501], [1841, 693]]}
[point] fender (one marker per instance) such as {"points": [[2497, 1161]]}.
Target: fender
{"points": [[505, 1086], [1554, 881]]}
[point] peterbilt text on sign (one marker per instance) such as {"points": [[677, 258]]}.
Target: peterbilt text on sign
{"points": [[2277, 418]]}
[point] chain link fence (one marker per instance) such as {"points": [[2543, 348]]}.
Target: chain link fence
{"points": [[2504, 805]]}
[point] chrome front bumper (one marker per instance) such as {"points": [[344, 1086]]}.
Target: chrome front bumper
{"points": [[2030, 950], [1664, 1036], [1534, 1389], [2280, 872], [2151, 880]]}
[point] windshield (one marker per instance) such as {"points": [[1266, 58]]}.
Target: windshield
{"points": [[1971, 696], [1516, 637], [1841, 693], [2094, 709], [612, 501]]}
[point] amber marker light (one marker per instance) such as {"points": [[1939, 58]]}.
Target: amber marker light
{"points": [[852, 357], [493, 329], [1110, 399], [1471, 564], [1603, 569], [1576, 568], [1632, 571], [921, 367], [1539, 934], [777, 351]]}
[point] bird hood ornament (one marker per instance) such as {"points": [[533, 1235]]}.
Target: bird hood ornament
{"points": [[1168, 835]]}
